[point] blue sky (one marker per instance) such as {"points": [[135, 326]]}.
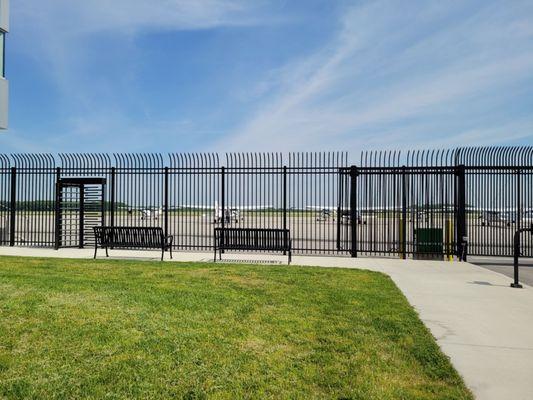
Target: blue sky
{"points": [[232, 75]]}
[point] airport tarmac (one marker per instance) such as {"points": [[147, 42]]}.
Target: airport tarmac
{"points": [[193, 230]]}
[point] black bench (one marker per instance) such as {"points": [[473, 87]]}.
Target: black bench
{"points": [[252, 239], [131, 237]]}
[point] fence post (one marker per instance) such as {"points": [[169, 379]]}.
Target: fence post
{"points": [[516, 253], [403, 221], [340, 205], [165, 206], [13, 206], [223, 205], [82, 216], [518, 214], [112, 197], [461, 214], [57, 210], [353, 210], [285, 205], [102, 206]]}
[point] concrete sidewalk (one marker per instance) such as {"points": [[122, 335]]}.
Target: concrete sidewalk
{"points": [[482, 324], [505, 266]]}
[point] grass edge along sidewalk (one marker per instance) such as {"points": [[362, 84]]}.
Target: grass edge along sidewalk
{"points": [[132, 329]]}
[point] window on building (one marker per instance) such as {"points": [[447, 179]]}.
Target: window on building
{"points": [[2, 54]]}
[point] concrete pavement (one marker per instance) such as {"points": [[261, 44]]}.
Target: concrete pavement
{"points": [[483, 325], [505, 266]]}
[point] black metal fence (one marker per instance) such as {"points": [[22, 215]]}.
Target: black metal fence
{"points": [[419, 204]]}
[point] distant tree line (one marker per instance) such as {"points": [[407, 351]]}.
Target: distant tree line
{"points": [[49, 205]]}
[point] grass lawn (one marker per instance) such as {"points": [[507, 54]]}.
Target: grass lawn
{"points": [[126, 329]]}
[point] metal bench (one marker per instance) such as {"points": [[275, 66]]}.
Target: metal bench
{"points": [[252, 239], [131, 237]]}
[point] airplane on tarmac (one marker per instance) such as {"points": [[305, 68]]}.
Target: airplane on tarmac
{"points": [[507, 216], [230, 214], [147, 213], [325, 213]]}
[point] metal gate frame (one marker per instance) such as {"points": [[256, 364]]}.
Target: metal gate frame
{"points": [[80, 183], [405, 213]]}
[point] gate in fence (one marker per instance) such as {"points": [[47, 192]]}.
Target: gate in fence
{"points": [[425, 204], [408, 211], [79, 207]]}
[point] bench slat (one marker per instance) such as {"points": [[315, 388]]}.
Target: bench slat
{"points": [[252, 239], [128, 237]]}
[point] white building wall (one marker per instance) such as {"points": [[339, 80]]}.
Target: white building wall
{"points": [[4, 92], [4, 85], [4, 15]]}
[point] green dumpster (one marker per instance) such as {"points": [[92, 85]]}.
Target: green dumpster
{"points": [[429, 243]]}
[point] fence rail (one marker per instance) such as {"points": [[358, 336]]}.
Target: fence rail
{"points": [[408, 204]]}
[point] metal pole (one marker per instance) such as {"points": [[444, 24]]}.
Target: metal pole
{"points": [[403, 224], [285, 206], [13, 206], [518, 213], [461, 214], [223, 203], [353, 210], [112, 199], [165, 207], [58, 210], [339, 207], [516, 254], [102, 205], [82, 215]]}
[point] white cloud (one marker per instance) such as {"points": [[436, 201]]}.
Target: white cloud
{"points": [[129, 16], [61, 36], [396, 66]]}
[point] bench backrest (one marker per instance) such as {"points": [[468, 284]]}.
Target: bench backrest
{"points": [[129, 236], [252, 239]]}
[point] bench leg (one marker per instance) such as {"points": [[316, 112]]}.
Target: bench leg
{"points": [[215, 255], [106, 253], [170, 248], [290, 257], [95, 250], [162, 253]]}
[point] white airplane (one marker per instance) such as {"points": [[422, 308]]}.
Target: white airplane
{"points": [[507, 216], [325, 213], [230, 213], [147, 213]]}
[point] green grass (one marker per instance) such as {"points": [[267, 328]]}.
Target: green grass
{"points": [[125, 329]]}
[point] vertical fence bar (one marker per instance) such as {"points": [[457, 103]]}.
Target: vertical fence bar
{"points": [[223, 203], [102, 206], [285, 204], [57, 210], [353, 210], [165, 200], [518, 213], [13, 206], [339, 208], [403, 221], [82, 216], [112, 197], [461, 214]]}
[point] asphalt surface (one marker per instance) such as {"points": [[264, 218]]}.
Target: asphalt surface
{"points": [[504, 265]]}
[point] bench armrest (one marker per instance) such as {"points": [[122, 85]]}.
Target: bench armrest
{"points": [[169, 239]]}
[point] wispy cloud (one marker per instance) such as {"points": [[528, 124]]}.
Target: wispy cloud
{"points": [[394, 67], [384, 74], [65, 40], [130, 16]]}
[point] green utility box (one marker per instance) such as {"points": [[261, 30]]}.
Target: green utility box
{"points": [[429, 243]]}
